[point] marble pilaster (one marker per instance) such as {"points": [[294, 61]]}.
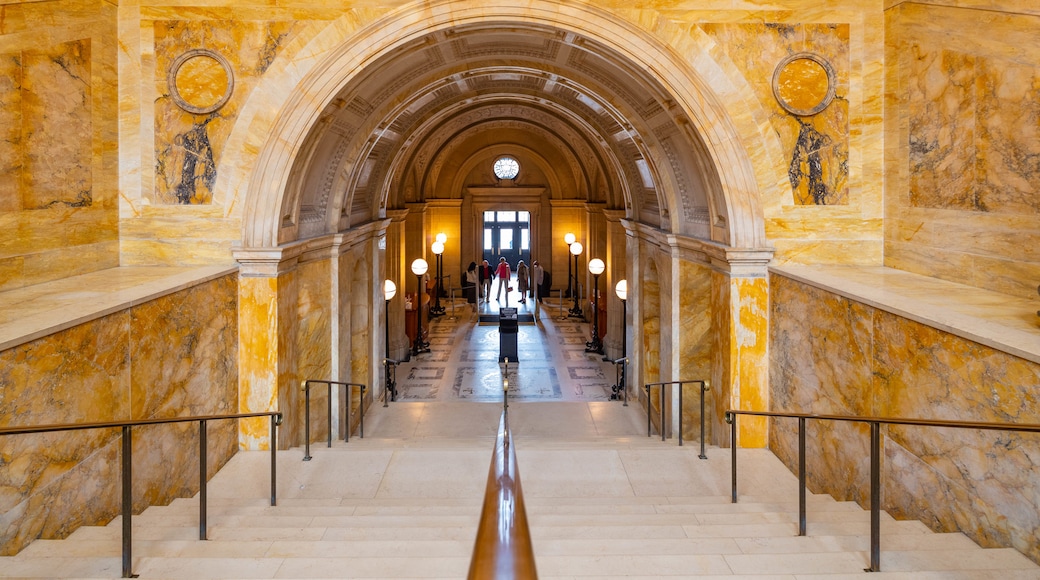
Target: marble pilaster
{"points": [[267, 351], [740, 325]]}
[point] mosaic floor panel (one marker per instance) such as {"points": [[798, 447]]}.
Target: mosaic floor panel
{"points": [[462, 364]]}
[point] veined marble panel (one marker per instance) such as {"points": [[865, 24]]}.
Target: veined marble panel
{"points": [[188, 146], [962, 139], [831, 354], [314, 337], [694, 341], [816, 146]]}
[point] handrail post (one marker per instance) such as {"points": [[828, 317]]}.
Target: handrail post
{"points": [[680, 413], [875, 497], [801, 476], [704, 387], [661, 400], [274, 458], [306, 421], [648, 410], [733, 454], [361, 428], [328, 402], [202, 480], [127, 502], [348, 406]]}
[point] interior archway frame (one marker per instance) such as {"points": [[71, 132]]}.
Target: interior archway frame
{"points": [[680, 68]]}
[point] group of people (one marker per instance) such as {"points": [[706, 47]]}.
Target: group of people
{"points": [[478, 280]]}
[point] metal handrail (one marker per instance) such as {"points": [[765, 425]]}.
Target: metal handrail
{"points": [[875, 458], [503, 548], [306, 386], [127, 462], [705, 386]]}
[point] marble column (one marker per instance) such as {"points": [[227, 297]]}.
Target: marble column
{"points": [[616, 270], [267, 299], [396, 270], [740, 335]]}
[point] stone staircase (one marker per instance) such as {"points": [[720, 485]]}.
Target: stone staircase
{"points": [[600, 507]]}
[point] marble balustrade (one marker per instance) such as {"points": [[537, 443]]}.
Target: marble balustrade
{"points": [[832, 354], [175, 355]]}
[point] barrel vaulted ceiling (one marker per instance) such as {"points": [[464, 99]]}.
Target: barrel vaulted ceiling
{"points": [[410, 126]]}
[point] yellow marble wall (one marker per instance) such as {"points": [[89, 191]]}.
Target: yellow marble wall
{"points": [[314, 343], [831, 355], [58, 195], [739, 328], [171, 356], [962, 140], [694, 343]]}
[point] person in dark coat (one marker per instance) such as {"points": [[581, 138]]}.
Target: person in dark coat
{"points": [[485, 275], [470, 279]]}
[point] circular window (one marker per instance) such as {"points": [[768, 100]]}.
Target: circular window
{"points": [[201, 81], [506, 168], [803, 84]]}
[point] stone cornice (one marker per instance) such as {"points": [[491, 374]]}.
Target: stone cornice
{"points": [[273, 262]]}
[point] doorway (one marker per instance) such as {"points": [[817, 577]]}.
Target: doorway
{"points": [[507, 234]]}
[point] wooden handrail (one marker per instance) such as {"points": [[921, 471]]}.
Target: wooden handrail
{"points": [[503, 546]]}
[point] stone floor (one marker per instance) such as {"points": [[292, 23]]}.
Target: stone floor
{"points": [[463, 362]]}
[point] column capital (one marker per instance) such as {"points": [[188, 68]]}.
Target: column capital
{"points": [[267, 262], [738, 262]]}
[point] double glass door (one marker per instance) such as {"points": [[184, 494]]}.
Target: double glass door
{"points": [[507, 234]]}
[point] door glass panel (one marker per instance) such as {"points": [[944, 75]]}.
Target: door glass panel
{"points": [[507, 239], [525, 216], [525, 239], [507, 216], [488, 239], [489, 216]]}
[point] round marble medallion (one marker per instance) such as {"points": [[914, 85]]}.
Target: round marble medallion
{"points": [[201, 81], [803, 83]]}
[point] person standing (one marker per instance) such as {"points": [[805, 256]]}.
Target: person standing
{"points": [[537, 278], [523, 281], [503, 273], [469, 283], [485, 274]]}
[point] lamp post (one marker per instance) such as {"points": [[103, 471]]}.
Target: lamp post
{"points": [[569, 239], [389, 291], [438, 250], [621, 289], [419, 267], [575, 311], [596, 267]]}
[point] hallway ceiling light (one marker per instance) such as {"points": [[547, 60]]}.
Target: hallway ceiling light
{"points": [[596, 267], [389, 289], [420, 266]]}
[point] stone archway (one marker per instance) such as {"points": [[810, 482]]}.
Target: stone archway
{"points": [[300, 101], [291, 102]]}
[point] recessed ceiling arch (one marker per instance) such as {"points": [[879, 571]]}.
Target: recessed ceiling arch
{"points": [[697, 122]]}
